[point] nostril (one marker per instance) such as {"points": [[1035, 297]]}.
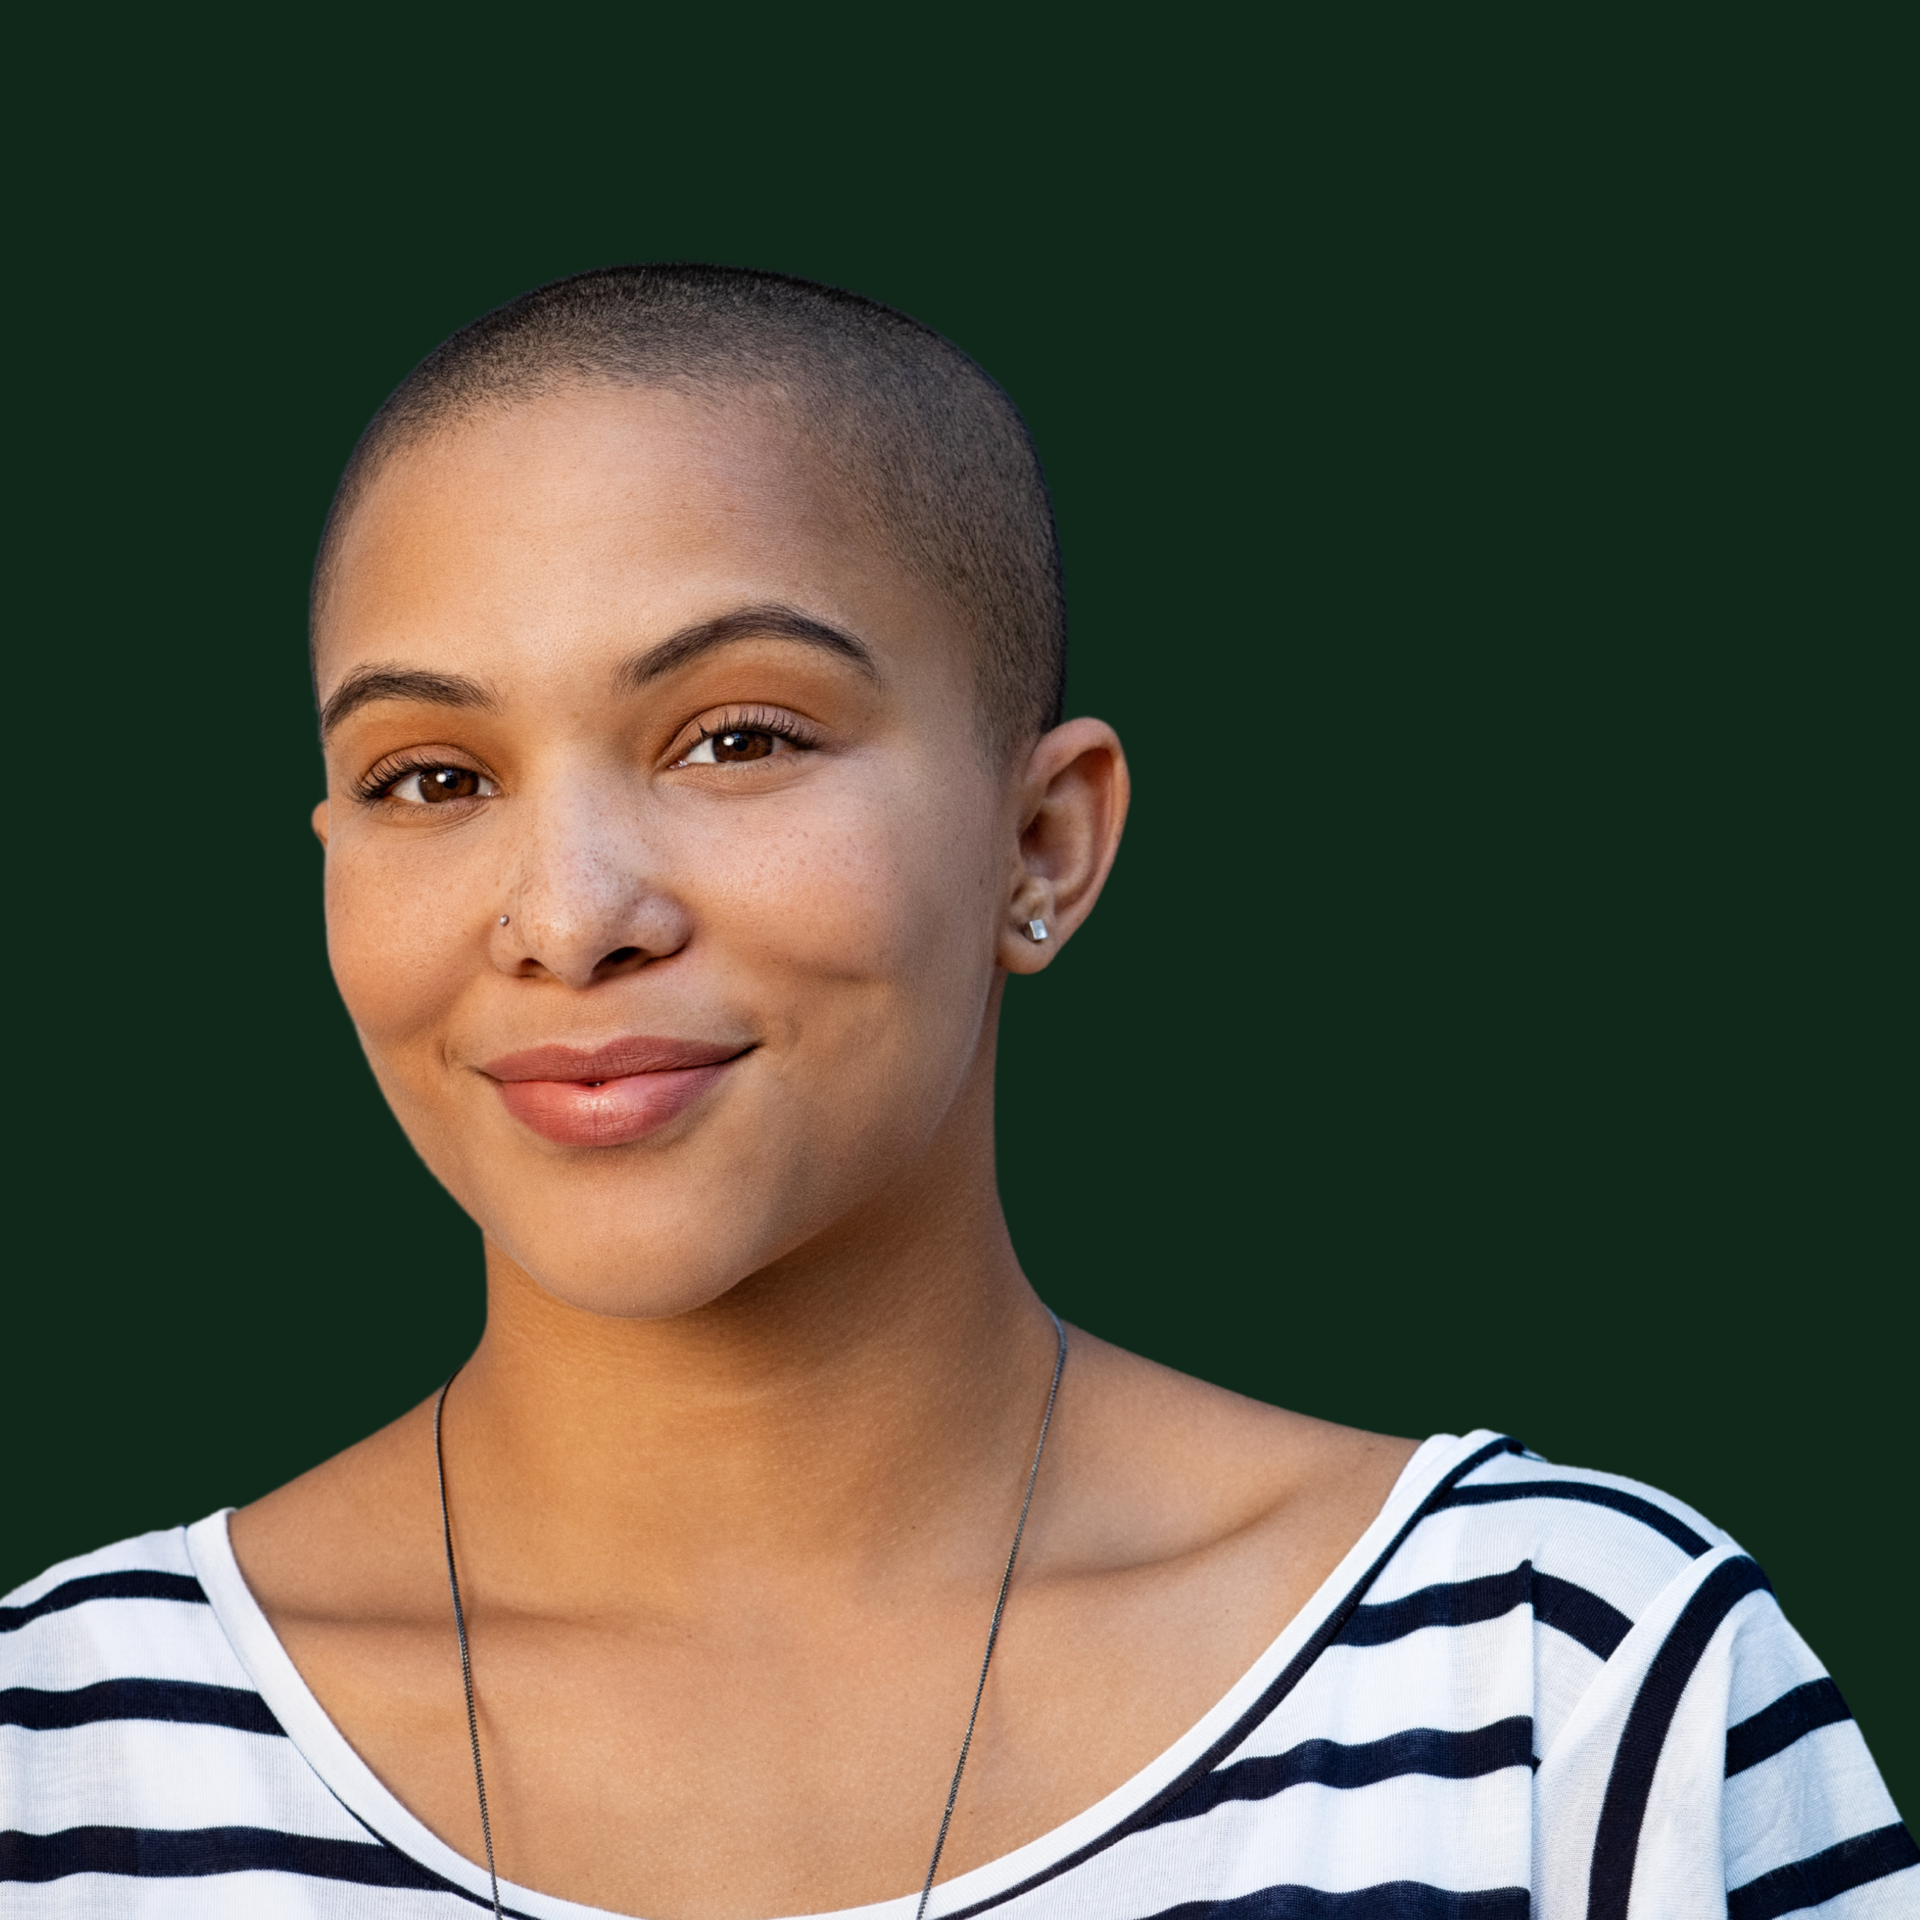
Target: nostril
{"points": [[620, 957]]}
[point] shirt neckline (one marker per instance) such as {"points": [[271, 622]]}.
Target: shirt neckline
{"points": [[354, 1784]]}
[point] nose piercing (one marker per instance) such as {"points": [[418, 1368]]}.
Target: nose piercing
{"points": [[1036, 931], [503, 919]]}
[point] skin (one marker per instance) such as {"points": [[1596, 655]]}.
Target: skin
{"points": [[736, 1464]]}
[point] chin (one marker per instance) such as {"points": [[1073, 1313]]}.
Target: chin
{"points": [[622, 1267], [646, 1249], [634, 1290]]}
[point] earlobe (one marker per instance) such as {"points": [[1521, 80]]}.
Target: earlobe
{"points": [[1074, 807], [320, 823]]}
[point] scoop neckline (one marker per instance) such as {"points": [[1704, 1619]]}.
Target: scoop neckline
{"points": [[355, 1785]]}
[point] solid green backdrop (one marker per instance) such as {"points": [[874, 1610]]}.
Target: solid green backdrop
{"points": [[1473, 460]]}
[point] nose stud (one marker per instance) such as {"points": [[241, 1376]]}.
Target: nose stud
{"points": [[1036, 931], [503, 919]]}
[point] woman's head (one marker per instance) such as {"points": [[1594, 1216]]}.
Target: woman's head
{"points": [[663, 754], [928, 453]]}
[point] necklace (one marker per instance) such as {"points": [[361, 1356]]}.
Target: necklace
{"points": [[980, 1687]]}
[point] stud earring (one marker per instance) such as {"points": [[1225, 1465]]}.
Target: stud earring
{"points": [[1036, 931]]}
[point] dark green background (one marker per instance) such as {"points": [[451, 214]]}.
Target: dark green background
{"points": [[1476, 458]]}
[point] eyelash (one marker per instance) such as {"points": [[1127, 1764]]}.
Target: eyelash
{"points": [[773, 720], [389, 773]]}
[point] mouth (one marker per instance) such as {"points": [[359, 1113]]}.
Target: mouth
{"points": [[609, 1095]]}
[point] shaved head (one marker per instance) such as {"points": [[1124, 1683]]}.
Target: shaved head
{"points": [[932, 455]]}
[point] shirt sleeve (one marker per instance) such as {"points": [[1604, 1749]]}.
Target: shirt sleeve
{"points": [[1714, 1773]]}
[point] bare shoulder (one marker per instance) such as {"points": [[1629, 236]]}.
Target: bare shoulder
{"points": [[1166, 1467], [344, 1540]]}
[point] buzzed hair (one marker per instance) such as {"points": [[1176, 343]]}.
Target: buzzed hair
{"points": [[932, 451]]}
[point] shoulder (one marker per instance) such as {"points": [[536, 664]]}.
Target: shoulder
{"points": [[135, 1607], [1684, 1736], [1685, 1746], [114, 1675], [343, 1541], [1162, 1467], [1594, 1549], [1585, 1565], [135, 1747]]}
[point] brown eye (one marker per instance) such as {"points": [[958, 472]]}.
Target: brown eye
{"points": [[739, 745], [449, 783], [730, 746], [434, 786]]}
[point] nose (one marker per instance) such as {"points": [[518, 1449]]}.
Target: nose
{"points": [[590, 899]]}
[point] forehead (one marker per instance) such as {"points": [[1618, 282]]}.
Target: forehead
{"points": [[600, 517]]}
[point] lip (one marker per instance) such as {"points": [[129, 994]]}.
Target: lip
{"points": [[608, 1095]]}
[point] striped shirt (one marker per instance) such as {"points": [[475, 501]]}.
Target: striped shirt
{"points": [[1528, 1690]]}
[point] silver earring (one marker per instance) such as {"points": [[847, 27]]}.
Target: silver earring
{"points": [[1036, 931], [503, 919]]}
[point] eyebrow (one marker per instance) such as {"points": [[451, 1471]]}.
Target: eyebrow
{"points": [[364, 685], [773, 622]]}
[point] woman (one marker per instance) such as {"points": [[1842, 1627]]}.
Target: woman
{"points": [[689, 649]]}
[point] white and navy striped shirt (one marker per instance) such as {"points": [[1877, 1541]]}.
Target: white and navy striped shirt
{"points": [[1527, 1691]]}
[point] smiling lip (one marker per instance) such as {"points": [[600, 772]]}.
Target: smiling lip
{"points": [[606, 1096]]}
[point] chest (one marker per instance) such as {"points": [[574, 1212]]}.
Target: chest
{"points": [[772, 1762]]}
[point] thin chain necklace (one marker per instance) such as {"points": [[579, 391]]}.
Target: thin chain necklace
{"points": [[979, 1691]]}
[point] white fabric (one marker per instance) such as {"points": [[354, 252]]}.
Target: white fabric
{"points": [[1449, 1730]]}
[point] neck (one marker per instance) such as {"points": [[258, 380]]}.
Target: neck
{"points": [[870, 1396]]}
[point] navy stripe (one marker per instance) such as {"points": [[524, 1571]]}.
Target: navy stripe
{"points": [[1580, 1614], [1825, 1876], [152, 1853], [1572, 1610], [137, 1583], [504, 1911], [186, 1701], [1455, 1603], [1658, 1518], [1792, 1717], [1395, 1900], [1610, 1879], [1326, 1763], [1282, 1684]]}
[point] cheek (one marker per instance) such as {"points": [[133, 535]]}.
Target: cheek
{"points": [[400, 946], [881, 906], [861, 943]]}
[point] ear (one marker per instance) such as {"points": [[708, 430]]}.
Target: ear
{"points": [[320, 822], [1072, 806]]}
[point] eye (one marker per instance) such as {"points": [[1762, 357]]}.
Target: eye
{"points": [[733, 736], [434, 786], [733, 744]]}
